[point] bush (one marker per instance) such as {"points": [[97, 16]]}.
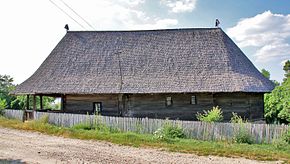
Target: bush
{"points": [[243, 136], [96, 125], [3, 105], [168, 132], [43, 119], [83, 126], [286, 136], [214, 115], [237, 119], [280, 143]]}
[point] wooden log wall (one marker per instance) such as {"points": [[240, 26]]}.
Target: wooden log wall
{"points": [[247, 105], [154, 106], [83, 104]]}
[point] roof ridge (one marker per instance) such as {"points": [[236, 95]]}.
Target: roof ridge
{"points": [[158, 30]]}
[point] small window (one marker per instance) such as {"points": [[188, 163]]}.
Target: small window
{"points": [[168, 101], [193, 100], [98, 107]]}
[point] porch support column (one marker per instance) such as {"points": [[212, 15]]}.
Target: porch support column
{"points": [[27, 102], [34, 102], [41, 105], [62, 103], [120, 104]]}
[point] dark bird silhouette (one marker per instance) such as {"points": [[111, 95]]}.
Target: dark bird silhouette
{"points": [[217, 22], [66, 27]]}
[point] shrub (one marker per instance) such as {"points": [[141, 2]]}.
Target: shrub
{"points": [[97, 125], [168, 132], [3, 105], [83, 126], [286, 136], [214, 115], [243, 136], [280, 143], [43, 119], [237, 119], [87, 126]]}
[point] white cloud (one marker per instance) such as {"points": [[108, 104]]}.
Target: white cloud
{"points": [[133, 2], [30, 29], [179, 6], [267, 32], [268, 52], [283, 62], [120, 14], [157, 24]]}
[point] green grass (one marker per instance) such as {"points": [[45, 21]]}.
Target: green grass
{"points": [[226, 149]]}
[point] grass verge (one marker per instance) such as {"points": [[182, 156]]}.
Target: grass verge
{"points": [[226, 149]]}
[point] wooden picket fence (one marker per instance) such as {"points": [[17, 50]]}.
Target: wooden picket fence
{"points": [[16, 114], [262, 133]]}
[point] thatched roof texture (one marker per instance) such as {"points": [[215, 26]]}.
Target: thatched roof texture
{"points": [[154, 61]]}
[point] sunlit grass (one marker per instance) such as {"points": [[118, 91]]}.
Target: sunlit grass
{"points": [[226, 149]]}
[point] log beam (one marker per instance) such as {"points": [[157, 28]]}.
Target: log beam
{"points": [[27, 102]]}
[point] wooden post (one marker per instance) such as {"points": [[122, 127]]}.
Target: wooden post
{"points": [[27, 102], [34, 102], [214, 99], [120, 104], [62, 104], [41, 105]]}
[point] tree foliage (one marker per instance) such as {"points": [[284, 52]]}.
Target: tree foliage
{"points": [[277, 103], [17, 102], [265, 73], [20, 102], [3, 105], [6, 86], [286, 68]]}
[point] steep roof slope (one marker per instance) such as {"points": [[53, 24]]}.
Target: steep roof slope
{"points": [[153, 61]]}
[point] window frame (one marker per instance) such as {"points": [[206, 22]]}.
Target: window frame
{"points": [[167, 100], [95, 110], [193, 102]]}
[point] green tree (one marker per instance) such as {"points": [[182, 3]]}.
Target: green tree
{"points": [[18, 102], [286, 68], [277, 103], [3, 106], [265, 73], [6, 86]]}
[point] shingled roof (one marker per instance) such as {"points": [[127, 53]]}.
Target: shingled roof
{"points": [[150, 61]]}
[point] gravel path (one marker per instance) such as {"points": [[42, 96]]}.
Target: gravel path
{"points": [[31, 147]]}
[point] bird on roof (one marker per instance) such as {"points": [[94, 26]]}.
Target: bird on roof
{"points": [[217, 22], [66, 27]]}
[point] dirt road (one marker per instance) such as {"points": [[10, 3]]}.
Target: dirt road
{"points": [[31, 147]]}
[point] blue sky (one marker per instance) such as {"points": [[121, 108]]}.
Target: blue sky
{"points": [[30, 29]]}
